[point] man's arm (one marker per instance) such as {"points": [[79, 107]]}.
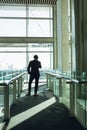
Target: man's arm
{"points": [[28, 68], [40, 65]]}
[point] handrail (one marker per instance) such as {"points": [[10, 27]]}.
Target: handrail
{"points": [[17, 81], [71, 91], [75, 80], [14, 78]]}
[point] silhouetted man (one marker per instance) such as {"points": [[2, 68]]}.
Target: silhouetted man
{"points": [[33, 70]]}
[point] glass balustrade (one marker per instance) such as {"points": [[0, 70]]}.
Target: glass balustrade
{"points": [[1, 103], [71, 89], [11, 83]]}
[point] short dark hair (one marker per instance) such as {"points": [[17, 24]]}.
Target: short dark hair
{"points": [[35, 56]]}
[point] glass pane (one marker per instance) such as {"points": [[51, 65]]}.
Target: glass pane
{"points": [[12, 11], [40, 28], [81, 103], [66, 93], [45, 12], [11, 49], [46, 62], [11, 61], [1, 100], [40, 47], [45, 54], [12, 27], [56, 87], [45, 58]]}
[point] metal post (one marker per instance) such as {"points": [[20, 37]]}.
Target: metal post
{"points": [[22, 82], [54, 85], [64, 92], [6, 102], [60, 87], [47, 79], [14, 91], [72, 98], [19, 83]]}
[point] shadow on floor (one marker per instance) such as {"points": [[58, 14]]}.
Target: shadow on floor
{"points": [[53, 117]]}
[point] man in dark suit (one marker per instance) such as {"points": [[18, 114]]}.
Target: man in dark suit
{"points": [[33, 70]]}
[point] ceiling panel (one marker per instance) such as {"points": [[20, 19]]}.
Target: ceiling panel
{"points": [[50, 2]]}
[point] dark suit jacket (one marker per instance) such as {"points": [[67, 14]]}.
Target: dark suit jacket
{"points": [[33, 68]]}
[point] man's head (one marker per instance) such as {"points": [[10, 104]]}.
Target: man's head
{"points": [[35, 57]]}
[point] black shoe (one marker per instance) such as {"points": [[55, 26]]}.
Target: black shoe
{"points": [[27, 94], [35, 94]]}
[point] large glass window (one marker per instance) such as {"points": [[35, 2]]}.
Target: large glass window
{"points": [[12, 58], [21, 21], [40, 28], [12, 27], [15, 57], [40, 12], [12, 11], [45, 53], [40, 22], [26, 21]]}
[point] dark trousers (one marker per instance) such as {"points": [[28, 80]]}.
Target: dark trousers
{"points": [[36, 84]]}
